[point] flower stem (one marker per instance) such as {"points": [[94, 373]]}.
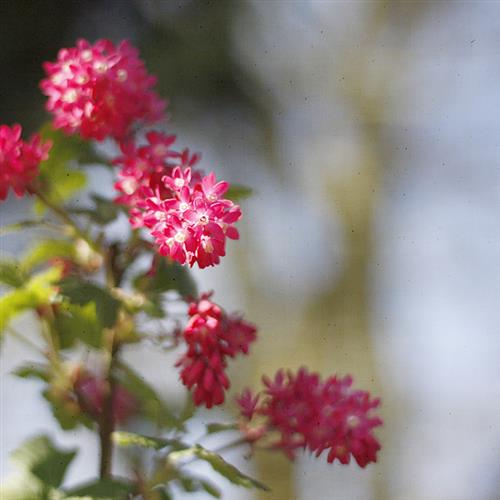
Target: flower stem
{"points": [[62, 214]]}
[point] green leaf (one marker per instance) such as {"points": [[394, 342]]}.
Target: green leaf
{"points": [[192, 484], [105, 210], [122, 438], [104, 489], [46, 250], [82, 292], [216, 427], [32, 371], [41, 458], [12, 274], [169, 276], [58, 180], [27, 487], [152, 407], [39, 290], [73, 322], [238, 192], [227, 470]]}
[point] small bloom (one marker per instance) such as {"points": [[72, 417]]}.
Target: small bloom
{"points": [[100, 90], [306, 412], [90, 393], [211, 336], [19, 160]]}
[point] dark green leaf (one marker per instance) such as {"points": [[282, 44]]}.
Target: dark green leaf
{"points": [[168, 276], [12, 274], [152, 407], [105, 211], [74, 322], [82, 292], [112, 489], [41, 458], [237, 192]]}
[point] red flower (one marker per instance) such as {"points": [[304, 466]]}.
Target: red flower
{"points": [[307, 412], [192, 224], [211, 335], [143, 171], [19, 160], [100, 90]]}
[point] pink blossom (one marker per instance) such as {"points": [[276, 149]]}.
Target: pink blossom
{"points": [[191, 226], [308, 413], [211, 336], [19, 160], [143, 170], [100, 90]]}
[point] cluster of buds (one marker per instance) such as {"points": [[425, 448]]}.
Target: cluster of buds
{"points": [[211, 336], [301, 411]]}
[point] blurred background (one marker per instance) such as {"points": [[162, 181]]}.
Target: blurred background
{"points": [[369, 132]]}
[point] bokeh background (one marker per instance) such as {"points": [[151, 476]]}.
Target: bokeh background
{"points": [[369, 132]]}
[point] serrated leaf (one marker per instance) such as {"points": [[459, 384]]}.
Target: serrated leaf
{"points": [[216, 427], [227, 470], [151, 405], [12, 273], [103, 489], [39, 290], [46, 250], [82, 292], [238, 192], [74, 322], [41, 458]]}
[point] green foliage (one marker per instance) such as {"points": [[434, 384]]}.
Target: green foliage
{"points": [[216, 427], [74, 322], [82, 292], [103, 211], [57, 179], [37, 291], [125, 439], [169, 276], [103, 489], [152, 407], [227, 470], [46, 250], [238, 192], [42, 459], [12, 273]]}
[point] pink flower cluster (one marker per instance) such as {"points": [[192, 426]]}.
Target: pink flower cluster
{"points": [[192, 225], [142, 169], [19, 160], [100, 90], [308, 413], [90, 392], [211, 336], [184, 210]]}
